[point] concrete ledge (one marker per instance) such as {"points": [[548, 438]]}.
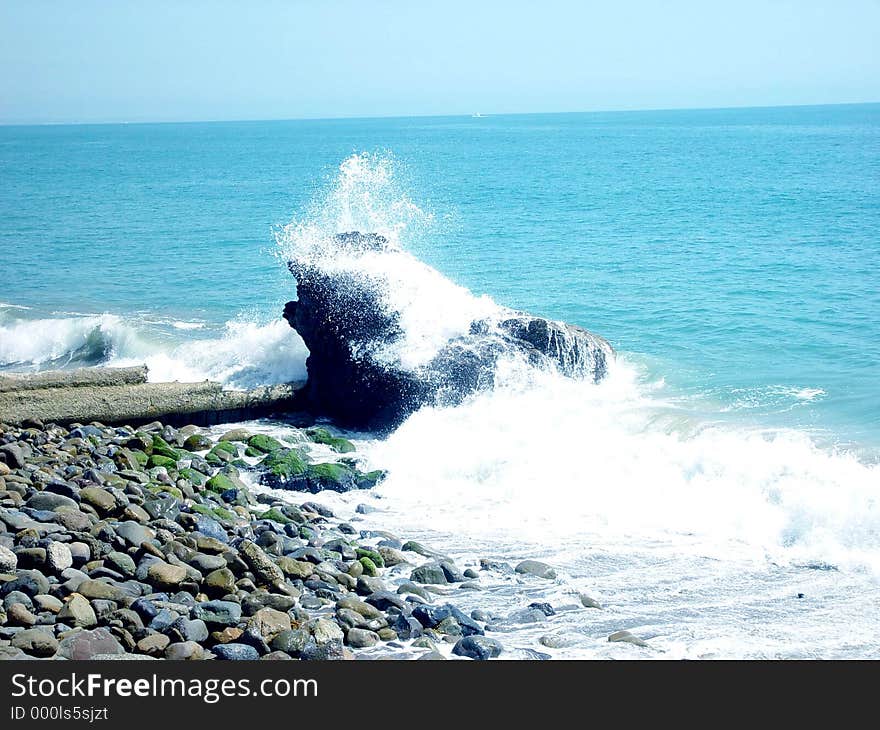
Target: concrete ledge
{"points": [[73, 378], [98, 395]]}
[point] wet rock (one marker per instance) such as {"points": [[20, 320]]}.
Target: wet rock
{"points": [[291, 642], [218, 613], [477, 647], [361, 638], [236, 652], [558, 641], [627, 638], [416, 590], [536, 568], [407, 627], [432, 573], [367, 585]]}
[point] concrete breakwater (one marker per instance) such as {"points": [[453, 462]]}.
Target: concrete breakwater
{"points": [[123, 395]]}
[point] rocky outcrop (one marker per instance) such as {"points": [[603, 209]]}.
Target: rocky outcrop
{"points": [[343, 318]]}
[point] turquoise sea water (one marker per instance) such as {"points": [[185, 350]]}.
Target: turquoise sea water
{"points": [[732, 252], [717, 493]]}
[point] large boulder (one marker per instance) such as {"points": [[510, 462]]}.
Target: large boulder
{"points": [[355, 377]]}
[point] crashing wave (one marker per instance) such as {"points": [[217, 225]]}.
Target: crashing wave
{"points": [[372, 363]]}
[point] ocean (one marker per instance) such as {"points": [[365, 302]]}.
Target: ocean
{"points": [[718, 492]]}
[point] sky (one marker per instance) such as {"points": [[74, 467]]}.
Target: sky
{"points": [[155, 60]]}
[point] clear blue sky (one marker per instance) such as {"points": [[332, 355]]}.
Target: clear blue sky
{"points": [[82, 60]]}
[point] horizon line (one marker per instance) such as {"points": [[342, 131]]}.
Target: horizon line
{"points": [[422, 116]]}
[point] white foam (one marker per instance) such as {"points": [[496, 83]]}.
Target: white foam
{"points": [[32, 342], [188, 325], [547, 459], [365, 197], [246, 354]]}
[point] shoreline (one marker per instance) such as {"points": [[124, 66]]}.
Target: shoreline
{"points": [[117, 541]]}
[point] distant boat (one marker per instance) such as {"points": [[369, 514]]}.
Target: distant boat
{"points": [[477, 115]]}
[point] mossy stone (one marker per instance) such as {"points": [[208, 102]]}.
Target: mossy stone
{"points": [[369, 566], [372, 555], [196, 477], [276, 516], [228, 446], [263, 443], [162, 448], [285, 463], [197, 442], [220, 483], [158, 460], [337, 443]]}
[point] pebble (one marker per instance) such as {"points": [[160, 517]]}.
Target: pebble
{"points": [[105, 555], [627, 638], [536, 568], [477, 647]]}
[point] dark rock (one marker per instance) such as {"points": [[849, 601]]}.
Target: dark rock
{"points": [[429, 616], [50, 501], [291, 642], [452, 573], [30, 582], [190, 629], [383, 600], [407, 627], [235, 652], [526, 616], [431, 573], [146, 608], [328, 651], [15, 455], [545, 608], [477, 647], [497, 566], [341, 312], [218, 613]]}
